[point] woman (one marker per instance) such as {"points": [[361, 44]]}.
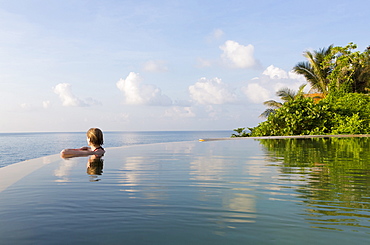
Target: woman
{"points": [[95, 142]]}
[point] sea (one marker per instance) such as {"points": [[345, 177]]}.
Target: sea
{"points": [[18, 147]]}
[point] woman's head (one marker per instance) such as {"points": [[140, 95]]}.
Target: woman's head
{"points": [[95, 136]]}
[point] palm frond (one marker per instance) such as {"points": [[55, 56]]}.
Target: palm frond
{"points": [[273, 104], [313, 69], [305, 69], [267, 113], [300, 90], [286, 94]]}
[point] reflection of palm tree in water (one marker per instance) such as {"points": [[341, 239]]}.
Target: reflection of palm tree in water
{"points": [[95, 167], [334, 176]]}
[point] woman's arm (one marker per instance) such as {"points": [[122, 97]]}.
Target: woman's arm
{"points": [[66, 153]]}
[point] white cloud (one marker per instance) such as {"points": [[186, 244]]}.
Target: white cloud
{"points": [[25, 106], [212, 91], [182, 103], [217, 33], [67, 97], [92, 102], [181, 112], [275, 72], [256, 93], [271, 80], [298, 77], [155, 66], [46, 104], [278, 78], [213, 112], [237, 55], [137, 93], [64, 90]]}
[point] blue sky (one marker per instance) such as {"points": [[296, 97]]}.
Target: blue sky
{"points": [[159, 65]]}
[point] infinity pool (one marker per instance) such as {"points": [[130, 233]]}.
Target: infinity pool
{"points": [[291, 191]]}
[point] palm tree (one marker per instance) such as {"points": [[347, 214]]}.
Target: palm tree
{"points": [[240, 131], [361, 75], [286, 95], [313, 69]]}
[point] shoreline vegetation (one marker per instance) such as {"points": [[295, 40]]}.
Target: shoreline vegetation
{"points": [[291, 137], [338, 102]]}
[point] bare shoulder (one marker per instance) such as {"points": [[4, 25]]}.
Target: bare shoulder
{"points": [[99, 152]]}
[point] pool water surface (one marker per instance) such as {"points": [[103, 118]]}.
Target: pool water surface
{"points": [[289, 191]]}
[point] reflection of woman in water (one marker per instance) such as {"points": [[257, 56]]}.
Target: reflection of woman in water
{"points": [[95, 167], [95, 142]]}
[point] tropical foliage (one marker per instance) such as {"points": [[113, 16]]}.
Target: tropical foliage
{"points": [[351, 113], [297, 117], [342, 76], [349, 69], [241, 132], [313, 70], [348, 114], [285, 95]]}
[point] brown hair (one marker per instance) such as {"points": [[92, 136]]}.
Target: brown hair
{"points": [[95, 136]]}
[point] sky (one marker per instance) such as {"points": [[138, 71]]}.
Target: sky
{"points": [[120, 65]]}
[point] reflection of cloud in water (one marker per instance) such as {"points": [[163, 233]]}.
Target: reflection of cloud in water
{"points": [[256, 167], [135, 173], [216, 171], [64, 170], [180, 148], [130, 164], [243, 207], [207, 168], [225, 181]]}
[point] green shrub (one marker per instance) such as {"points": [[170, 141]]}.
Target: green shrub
{"points": [[340, 114], [348, 124], [298, 117], [352, 113]]}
